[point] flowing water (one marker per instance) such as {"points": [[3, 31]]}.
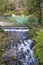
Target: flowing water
{"points": [[23, 50]]}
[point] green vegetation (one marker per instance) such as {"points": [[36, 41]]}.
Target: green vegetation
{"points": [[37, 36], [16, 19], [3, 37], [39, 46], [1, 30], [31, 8]]}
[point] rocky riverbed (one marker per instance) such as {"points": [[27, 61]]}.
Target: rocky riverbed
{"points": [[18, 49]]}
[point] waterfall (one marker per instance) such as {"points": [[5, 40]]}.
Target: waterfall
{"points": [[23, 50]]}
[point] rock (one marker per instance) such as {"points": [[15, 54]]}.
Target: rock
{"points": [[9, 54]]}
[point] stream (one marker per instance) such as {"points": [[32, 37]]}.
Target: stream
{"points": [[22, 50]]}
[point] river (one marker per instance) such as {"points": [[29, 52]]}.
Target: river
{"points": [[22, 50]]}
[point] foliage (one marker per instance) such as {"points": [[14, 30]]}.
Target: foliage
{"points": [[2, 6], [39, 46], [3, 37], [32, 21], [9, 12], [37, 35], [30, 6], [35, 6], [1, 30]]}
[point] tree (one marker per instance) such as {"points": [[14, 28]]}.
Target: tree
{"points": [[34, 6], [37, 9], [3, 4]]}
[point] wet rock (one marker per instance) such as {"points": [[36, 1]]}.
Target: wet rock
{"points": [[9, 54]]}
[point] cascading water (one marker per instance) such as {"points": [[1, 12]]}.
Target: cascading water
{"points": [[24, 50]]}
